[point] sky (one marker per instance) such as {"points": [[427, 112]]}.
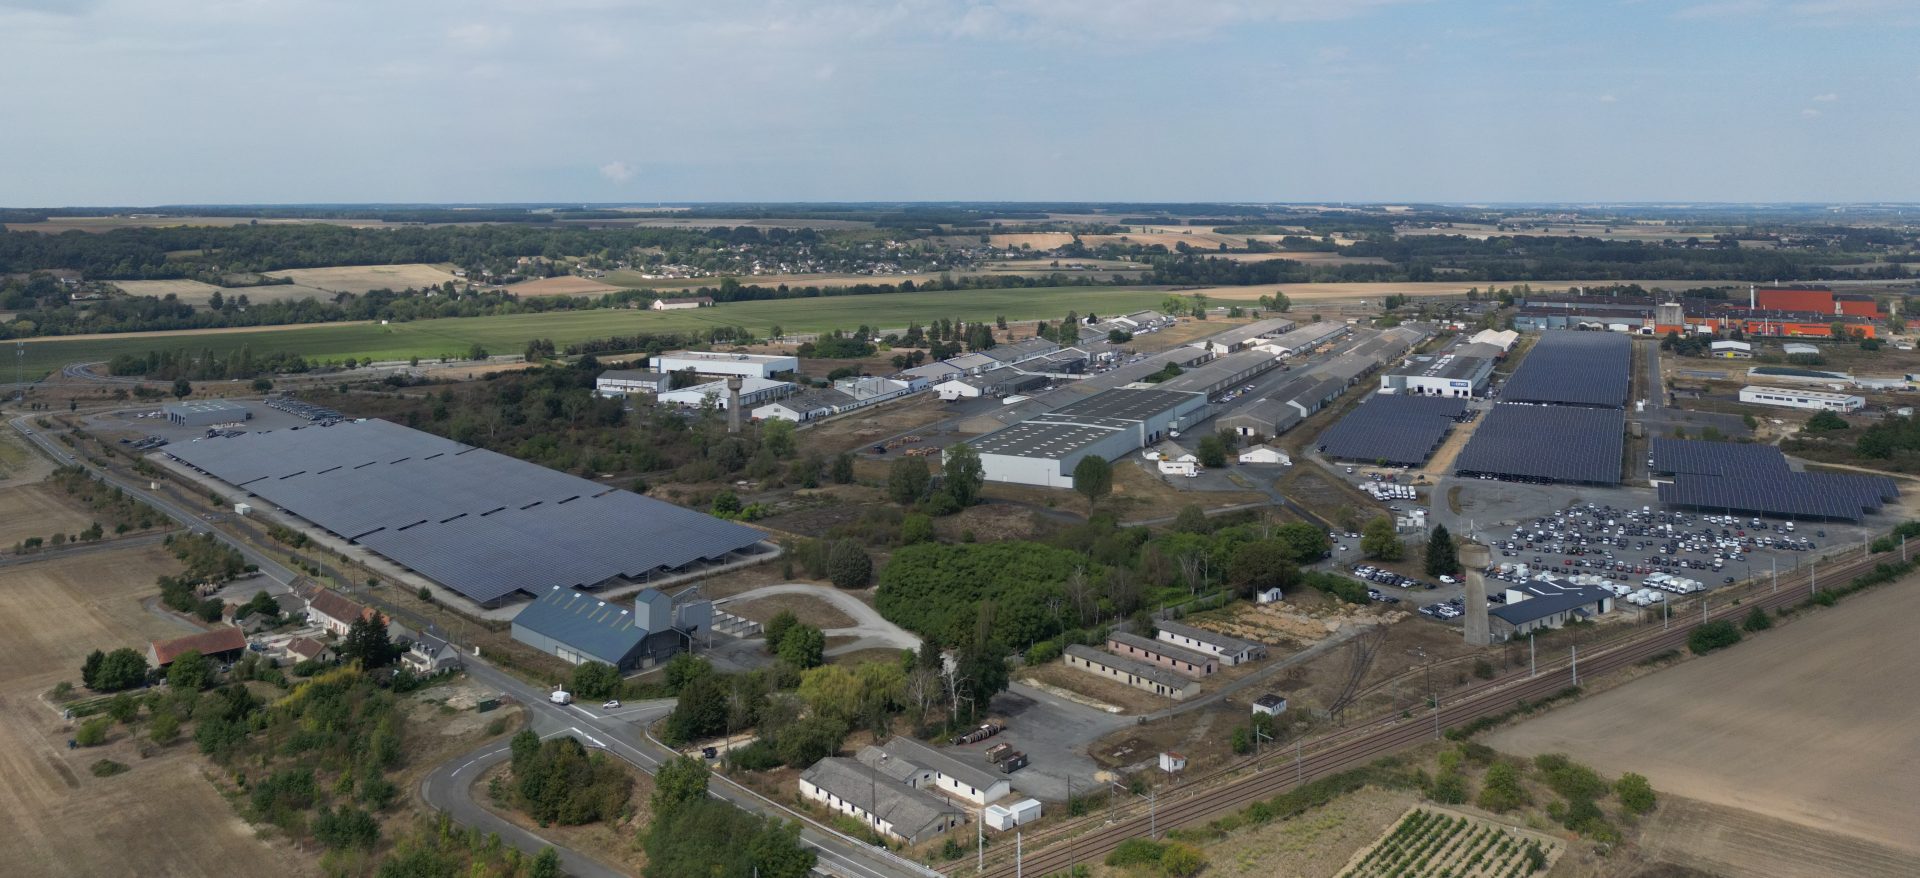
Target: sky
{"points": [[142, 102]]}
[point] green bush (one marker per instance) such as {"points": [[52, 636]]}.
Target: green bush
{"points": [[93, 732], [106, 768], [1182, 861], [1635, 794], [1711, 636], [1757, 620], [1136, 851]]}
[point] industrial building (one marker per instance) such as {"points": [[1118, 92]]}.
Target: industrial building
{"points": [[721, 363], [923, 767], [1159, 652], [1462, 370], [1044, 449], [1732, 350], [1138, 674], [1537, 606], [1289, 404], [1755, 318], [1240, 338], [480, 523], [1003, 381], [754, 392], [576, 627], [1793, 398], [810, 405], [1223, 374], [1230, 650], [865, 793], [1813, 300], [625, 382], [206, 413], [1304, 338]]}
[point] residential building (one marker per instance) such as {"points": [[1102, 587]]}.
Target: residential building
{"points": [[865, 794], [1138, 674], [332, 611], [1795, 398], [428, 655], [307, 649], [1230, 650], [1159, 652], [220, 644]]}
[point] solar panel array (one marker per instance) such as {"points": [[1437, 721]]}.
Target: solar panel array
{"points": [[1401, 430], [483, 524], [1700, 457], [1547, 443], [1569, 367], [1755, 479]]}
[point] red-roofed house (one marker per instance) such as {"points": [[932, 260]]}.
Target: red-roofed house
{"points": [[333, 612], [309, 649], [220, 644]]}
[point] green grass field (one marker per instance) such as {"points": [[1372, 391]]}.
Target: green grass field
{"points": [[433, 339]]}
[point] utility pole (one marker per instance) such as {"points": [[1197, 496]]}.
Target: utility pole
{"points": [[1776, 575], [1533, 667], [1576, 664], [1298, 776], [1813, 575], [979, 845], [1018, 866]]}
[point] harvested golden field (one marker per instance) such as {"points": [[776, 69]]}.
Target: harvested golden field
{"points": [[37, 510], [361, 278], [1036, 240], [1813, 724], [1313, 257], [568, 285], [197, 294], [160, 817]]}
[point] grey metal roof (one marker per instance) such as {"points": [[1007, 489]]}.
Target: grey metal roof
{"points": [[484, 524], [1532, 609], [1126, 404], [603, 630], [916, 753], [1160, 647], [1549, 442], [1149, 672], [1570, 367], [1396, 428], [1257, 329], [1226, 642], [1057, 434], [910, 811]]}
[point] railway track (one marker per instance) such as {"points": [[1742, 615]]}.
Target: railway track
{"points": [[1233, 788]]}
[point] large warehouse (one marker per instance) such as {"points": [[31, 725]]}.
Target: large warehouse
{"points": [[577, 627], [206, 414], [715, 363], [482, 524], [1462, 370], [1044, 449]]}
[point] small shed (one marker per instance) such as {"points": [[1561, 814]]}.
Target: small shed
{"points": [[1270, 704], [1267, 596], [1265, 454], [1004, 817], [1172, 763]]}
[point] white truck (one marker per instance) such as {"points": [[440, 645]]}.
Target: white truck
{"points": [[561, 696]]}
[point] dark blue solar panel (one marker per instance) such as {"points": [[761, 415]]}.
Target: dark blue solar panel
{"points": [[1398, 429], [1573, 368], [1547, 443]]}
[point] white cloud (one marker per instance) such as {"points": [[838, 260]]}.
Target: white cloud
{"points": [[477, 35], [1827, 98], [1609, 99], [1721, 10], [617, 171], [1810, 113]]}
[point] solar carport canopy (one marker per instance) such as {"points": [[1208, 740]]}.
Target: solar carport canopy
{"points": [[1796, 495], [1547, 442], [1398, 429], [483, 524], [1700, 457], [1569, 367]]}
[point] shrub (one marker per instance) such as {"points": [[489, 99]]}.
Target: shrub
{"points": [[1757, 620], [1135, 851], [849, 566], [1636, 795], [1501, 791], [1711, 636], [93, 732], [1182, 861], [106, 768]]}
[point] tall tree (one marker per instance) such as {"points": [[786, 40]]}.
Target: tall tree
{"points": [[964, 474], [1443, 557], [1379, 541], [367, 643], [1093, 478], [907, 480]]}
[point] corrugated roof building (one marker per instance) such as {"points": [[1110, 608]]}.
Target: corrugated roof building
{"points": [[578, 627]]}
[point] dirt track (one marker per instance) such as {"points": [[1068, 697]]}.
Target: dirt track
{"points": [[1811, 724]]}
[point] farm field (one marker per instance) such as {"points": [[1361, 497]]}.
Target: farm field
{"points": [[633, 280], [1809, 724], [159, 817], [197, 294], [361, 278], [1427, 843], [566, 285], [58, 224], [37, 510], [1322, 292], [452, 337]]}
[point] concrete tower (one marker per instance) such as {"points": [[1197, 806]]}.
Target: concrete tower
{"points": [[734, 383], [1474, 558]]}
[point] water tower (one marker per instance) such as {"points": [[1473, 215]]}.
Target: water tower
{"points": [[1474, 558], [734, 383]]}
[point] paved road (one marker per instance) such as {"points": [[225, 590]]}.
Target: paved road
{"points": [[138, 490], [873, 630]]}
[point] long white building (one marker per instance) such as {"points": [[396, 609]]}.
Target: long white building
{"points": [[1795, 398], [719, 363], [754, 392]]}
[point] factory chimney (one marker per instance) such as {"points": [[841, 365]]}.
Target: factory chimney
{"points": [[1473, 559], [1753, 298], [734, 383]]}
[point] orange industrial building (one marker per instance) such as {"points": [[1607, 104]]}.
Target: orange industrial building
{"points": [[1816, 301]]}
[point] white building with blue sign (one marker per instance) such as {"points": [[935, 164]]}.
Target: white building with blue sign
{"points": [[1460, 371]]}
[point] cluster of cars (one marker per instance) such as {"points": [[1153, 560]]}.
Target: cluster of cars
{"points": [[147, 444], [1591, 534], [1450, 610], [317, 413], [1231, 395], [1388, 577], [1383, 491]]}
